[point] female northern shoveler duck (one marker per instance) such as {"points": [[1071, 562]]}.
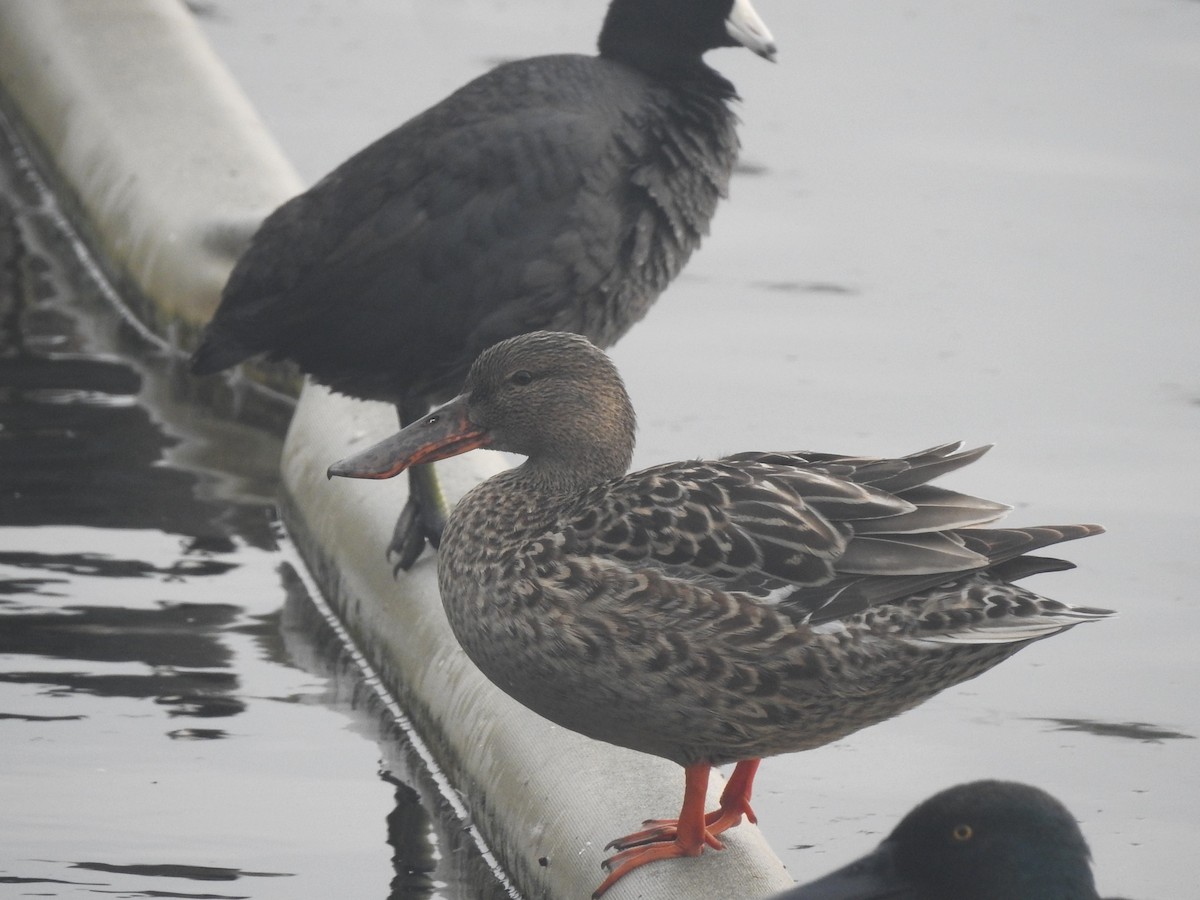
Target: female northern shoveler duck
{"points": [[560, 192], [987, 840], [709, 611]]}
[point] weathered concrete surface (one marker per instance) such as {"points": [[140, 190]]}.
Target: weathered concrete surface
{"points": [[166, 159]]}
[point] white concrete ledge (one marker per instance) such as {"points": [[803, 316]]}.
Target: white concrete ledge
{"points": [[167, 160], [170, 170]]}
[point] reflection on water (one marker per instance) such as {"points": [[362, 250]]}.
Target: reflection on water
{"points": [[177, 719], [1134, 731], [416, 838]]}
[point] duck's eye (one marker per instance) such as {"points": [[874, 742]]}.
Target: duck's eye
{"points": [[433, 419], [520, 378], [963, 833]]}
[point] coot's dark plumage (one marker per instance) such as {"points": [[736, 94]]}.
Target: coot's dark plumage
{"points": [[987, 840], [709, 611], [559, 193]]}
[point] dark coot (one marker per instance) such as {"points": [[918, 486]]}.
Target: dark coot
{"points": [[987, 840], [558, 193]]}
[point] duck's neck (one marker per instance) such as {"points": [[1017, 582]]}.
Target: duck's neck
{"points": [[523, 502], [590, 444], [565, 476], [496, 519]]}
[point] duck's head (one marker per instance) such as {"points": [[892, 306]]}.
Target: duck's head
{"points": [[987, 840], [550, 396]]}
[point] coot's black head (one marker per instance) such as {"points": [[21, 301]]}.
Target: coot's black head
{"points": [[661, 34], [987, 840]]}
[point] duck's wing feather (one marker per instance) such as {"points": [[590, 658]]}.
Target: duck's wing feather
{"points": [[1003, 548], [803, 529]]}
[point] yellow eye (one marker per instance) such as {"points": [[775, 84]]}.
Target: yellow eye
{"points": [[963, 832]]}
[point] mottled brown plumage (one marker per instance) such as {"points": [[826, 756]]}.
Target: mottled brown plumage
{"points": [[710, 611]]}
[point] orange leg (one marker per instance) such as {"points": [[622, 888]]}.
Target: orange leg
{"points": [[692, 831], [735, 799], [735, 802]]}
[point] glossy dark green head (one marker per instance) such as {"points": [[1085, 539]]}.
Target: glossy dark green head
{"points": [[987, 840], [994, 839]]}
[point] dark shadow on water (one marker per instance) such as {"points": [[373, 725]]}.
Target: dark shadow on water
{"points": [[807, 287], [197, 734], [78, 444], [193, 873], [183, 635], [20, 718], [412, 855], [106, 567], [422, 829], [13, 879], [1143, 732]]}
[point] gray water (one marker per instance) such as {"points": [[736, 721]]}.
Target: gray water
{"points": [[177, 716]]}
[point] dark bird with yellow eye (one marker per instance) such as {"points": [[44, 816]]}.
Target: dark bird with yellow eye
{"points": [[987, 840]]}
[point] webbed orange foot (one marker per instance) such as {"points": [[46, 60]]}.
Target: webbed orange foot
{"points": [[691, 832]]}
